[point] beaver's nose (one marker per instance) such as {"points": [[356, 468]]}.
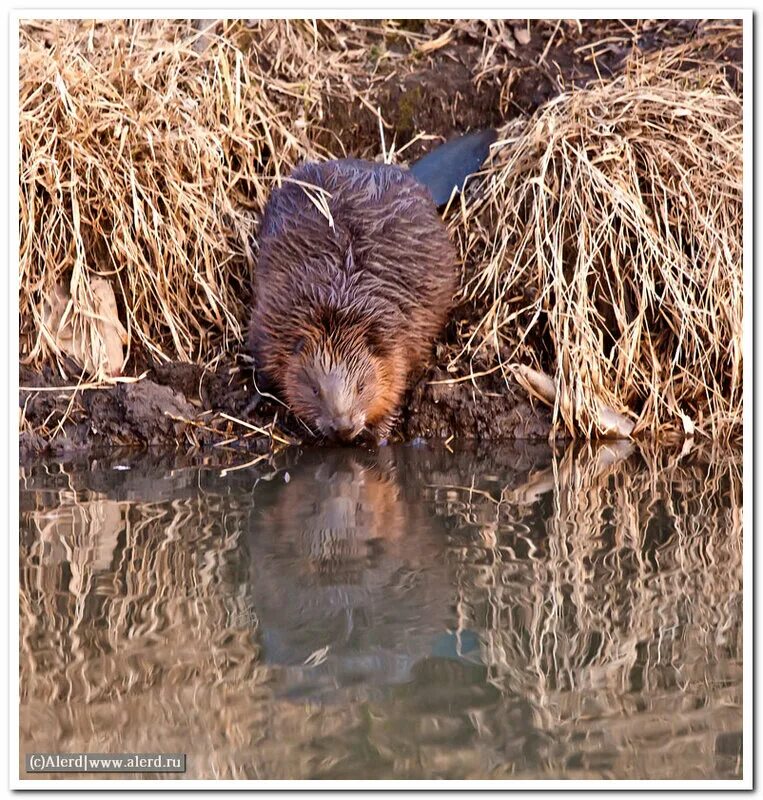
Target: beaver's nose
{"points": [[343, 429]]}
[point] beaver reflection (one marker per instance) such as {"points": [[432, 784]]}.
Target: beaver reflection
{"points": [[341, 561], [338, 514]]}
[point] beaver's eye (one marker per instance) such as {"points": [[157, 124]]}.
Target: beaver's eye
{"points": [[316, 390]]}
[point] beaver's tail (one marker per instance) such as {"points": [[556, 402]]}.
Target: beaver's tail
{"points": [[448, 166]]}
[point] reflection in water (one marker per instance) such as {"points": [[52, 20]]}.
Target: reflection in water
{"points": [[411, 613]]}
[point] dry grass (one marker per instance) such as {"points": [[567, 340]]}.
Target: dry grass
{"points": [[143, 158], [610, 229]]}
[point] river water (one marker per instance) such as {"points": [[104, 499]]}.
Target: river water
{"points": [[495, 612]]}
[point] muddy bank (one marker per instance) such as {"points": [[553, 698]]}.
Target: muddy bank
{"points": [[184, 405], [485, 75]]}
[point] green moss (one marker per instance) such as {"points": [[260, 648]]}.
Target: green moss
{"points": [[409, 101], [376, 51]]}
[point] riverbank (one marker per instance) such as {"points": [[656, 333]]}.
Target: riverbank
{"points": [[197, 121]]}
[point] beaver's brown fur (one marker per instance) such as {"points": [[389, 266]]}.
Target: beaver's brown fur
{"points": [[354, 281]]}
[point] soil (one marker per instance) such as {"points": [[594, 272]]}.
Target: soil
{"points": [[183, 404], [441, 94]]}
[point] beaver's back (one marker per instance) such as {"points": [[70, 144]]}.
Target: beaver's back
{"points": [[351, 235]]}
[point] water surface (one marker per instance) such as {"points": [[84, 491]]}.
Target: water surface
{"points": [[498, 612]]}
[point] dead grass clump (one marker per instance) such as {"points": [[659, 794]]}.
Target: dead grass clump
{"points": [[607, 248], [143, 155]]}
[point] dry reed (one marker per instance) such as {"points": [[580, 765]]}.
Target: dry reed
{"points": [[606, 246], [143, 158]]}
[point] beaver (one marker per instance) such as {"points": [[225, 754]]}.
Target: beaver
{"points": [[355, 278]]}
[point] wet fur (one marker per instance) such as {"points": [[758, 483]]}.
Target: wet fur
{"points": [[350, 309]]}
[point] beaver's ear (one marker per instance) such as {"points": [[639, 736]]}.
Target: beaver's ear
{"points": [[379, 343]]}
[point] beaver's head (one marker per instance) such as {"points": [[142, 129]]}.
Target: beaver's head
{"points": [[344, 382]]}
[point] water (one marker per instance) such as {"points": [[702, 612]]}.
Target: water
{"points": [[498, 612]]}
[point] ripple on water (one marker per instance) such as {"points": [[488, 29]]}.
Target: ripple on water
{"points": [[413, 613]]}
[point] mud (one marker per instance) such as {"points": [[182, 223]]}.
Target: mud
{"points": [[181, 404], [456, 88], [451, 90], [440, 409], [145, 412]]}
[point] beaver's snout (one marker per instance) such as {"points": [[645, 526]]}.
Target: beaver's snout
{"points": [[342, 419], [342, 429]]}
